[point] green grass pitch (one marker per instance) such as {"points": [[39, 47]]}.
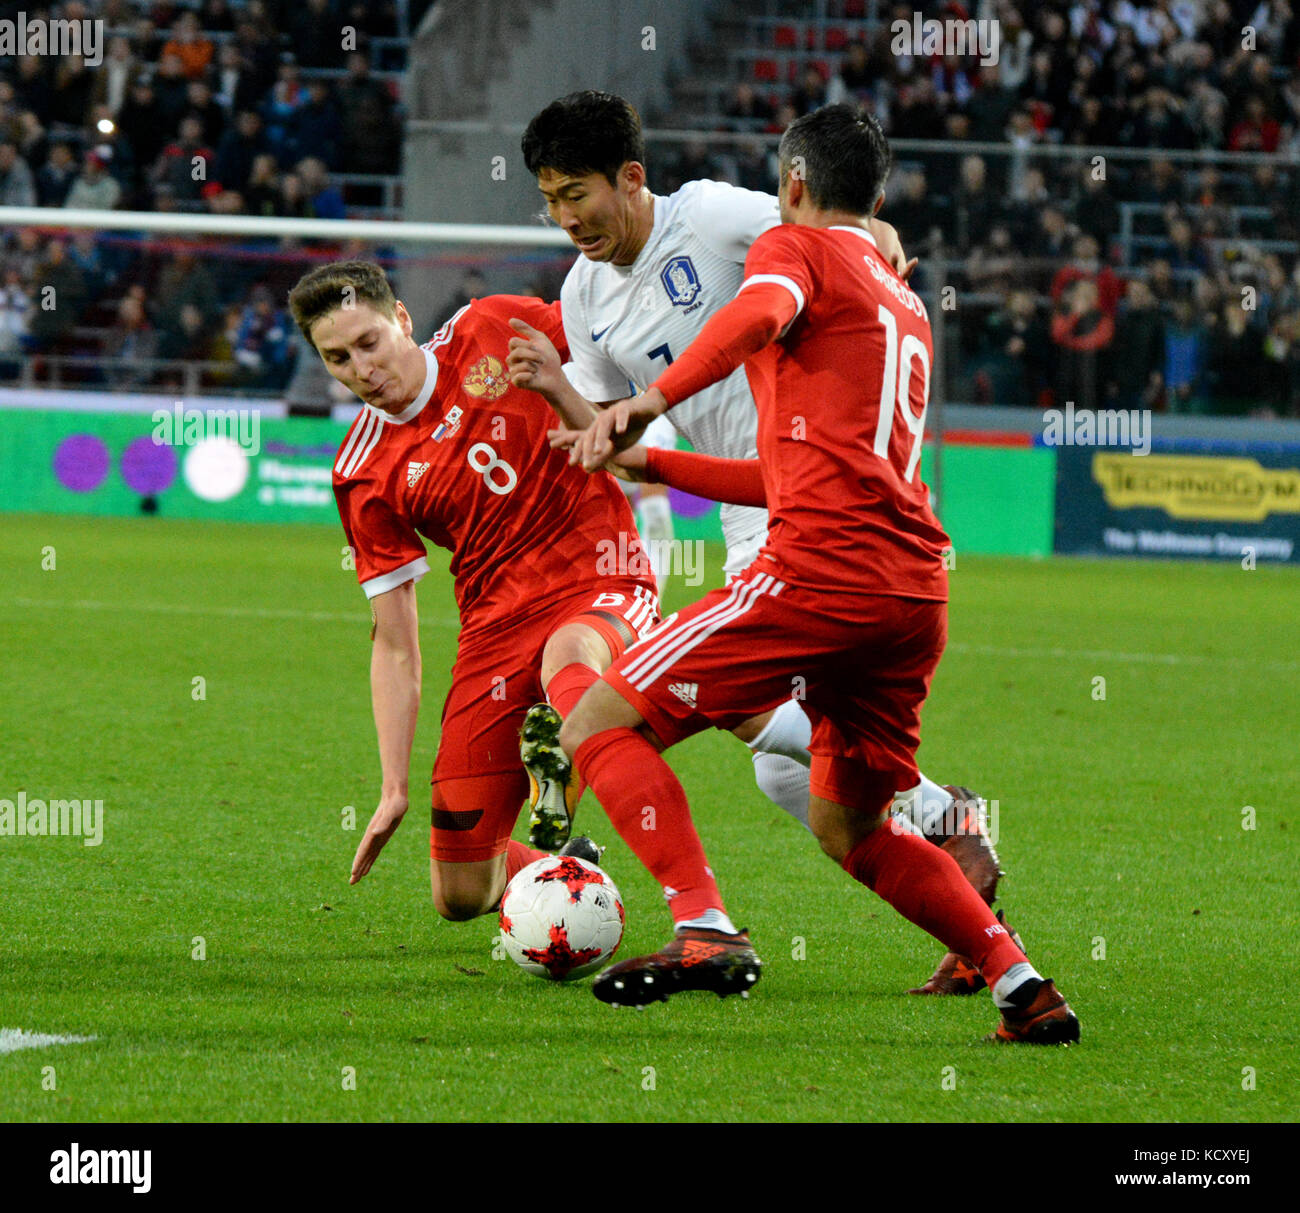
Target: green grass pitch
{"points": [[1170, 926]]}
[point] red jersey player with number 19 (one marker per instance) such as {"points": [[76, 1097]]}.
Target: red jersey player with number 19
{"points": [[446, 448], [847, 599]]}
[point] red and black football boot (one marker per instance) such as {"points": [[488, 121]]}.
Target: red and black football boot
{"points": [[1044, 1018], [694, 959]]}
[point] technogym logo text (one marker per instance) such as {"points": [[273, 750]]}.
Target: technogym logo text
{"points": [[35, 818], [59, 38], [922, 37]]}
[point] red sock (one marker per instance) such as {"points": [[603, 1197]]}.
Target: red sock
{"points": [[926, 886], [519, 856], [629, 777], [567, 686]]}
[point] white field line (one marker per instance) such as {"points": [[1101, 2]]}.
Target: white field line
{"points": [[13, 1039], [179, 608]]}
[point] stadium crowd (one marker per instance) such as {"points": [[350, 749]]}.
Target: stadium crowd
{"points": [[1145, 280]]}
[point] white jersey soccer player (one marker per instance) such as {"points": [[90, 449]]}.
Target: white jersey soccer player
{"points": [[625, 323]]}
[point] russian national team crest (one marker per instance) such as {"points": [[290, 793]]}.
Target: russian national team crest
{"points": [[487, 379], [681, 281]]}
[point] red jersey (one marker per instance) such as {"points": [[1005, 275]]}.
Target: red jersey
{"points": [[841, 413], [467, 465]]}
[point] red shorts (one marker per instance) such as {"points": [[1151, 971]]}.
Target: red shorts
{"points": [[861, 664], [494, 682]]}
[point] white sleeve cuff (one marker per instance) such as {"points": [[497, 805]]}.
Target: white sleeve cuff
{"points": [[781, 280], [390, 581]]}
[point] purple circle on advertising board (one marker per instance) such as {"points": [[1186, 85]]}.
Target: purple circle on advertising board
{"points": [[149, 467], [688, 505], [81, 462]]}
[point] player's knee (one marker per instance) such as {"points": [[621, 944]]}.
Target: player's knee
{"points": [[459, 905]]}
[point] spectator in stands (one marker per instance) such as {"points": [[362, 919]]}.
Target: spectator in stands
{"points": [[258, 49], [237, 85], [15, 320], [854, 79], [171, 92], [95, 189], [27, 254], [747, 109], [990, 108], [1185, 347], [262, 344], [1139, 363], [323, 200], [189, 45], [239, 148], [201, 103], [56, 175], [58, 281], [1082, 332], [141, 123], [277, 109], [917, 113], [1257, 131], [17, 185], [185, 336], [1095, 209], [84, 252], [993, 266], [74, 87], [1183, 251], [811, 93], [108, 139], [132, 341], [216, 17], [371, 129], [915, 210], [975, 204], [1160, 183], [262, 190], [34, 86], [292, 202], [1085, 263], [185, 166], [314, 30], [316, 127], [115, 76], [1014, 353], [1234, 356], [186, 282]]}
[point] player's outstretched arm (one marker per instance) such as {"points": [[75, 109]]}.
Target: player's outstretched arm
{"points": [[534, 363], [395, 693]]}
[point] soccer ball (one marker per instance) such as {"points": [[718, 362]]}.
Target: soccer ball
{"points": [[561, 918]]}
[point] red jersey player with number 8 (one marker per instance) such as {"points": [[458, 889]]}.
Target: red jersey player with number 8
{"points": [[446, 448], [846, 602]]}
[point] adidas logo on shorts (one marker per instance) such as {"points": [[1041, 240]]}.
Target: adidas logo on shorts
{"points": [[413, 472], [685, 691]]}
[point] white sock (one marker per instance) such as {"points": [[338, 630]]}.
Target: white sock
{"points": [[785, 783], [710, 920], [1012, 980], [927, 806], [788, 732]]}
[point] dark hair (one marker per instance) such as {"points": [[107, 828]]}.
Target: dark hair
{"points": [[587, 132], [843, 156], [324, 289]]}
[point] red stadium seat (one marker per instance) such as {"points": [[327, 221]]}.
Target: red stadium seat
{"points": [[836, 39], [856, 9], [765, 69], [786, 37]]}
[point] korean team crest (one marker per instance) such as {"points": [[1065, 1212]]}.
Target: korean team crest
{"points": [[681, 281], [487, 379]]}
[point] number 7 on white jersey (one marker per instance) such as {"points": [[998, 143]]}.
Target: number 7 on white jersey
{"points": [[894, 387]]}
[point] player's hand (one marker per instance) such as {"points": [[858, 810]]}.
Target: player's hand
{"points": [[533, 361], [891, 247], [620, 426], [627, 465], [387, 817]]}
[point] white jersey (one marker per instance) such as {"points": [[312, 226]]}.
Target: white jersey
{"points": [[626, 323]]}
